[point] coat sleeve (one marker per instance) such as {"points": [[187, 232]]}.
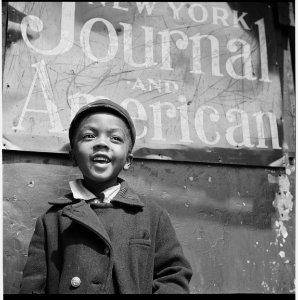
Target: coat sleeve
{"points": [[35, 271], [172, 272]]}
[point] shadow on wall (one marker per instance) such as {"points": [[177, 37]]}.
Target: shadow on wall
{"points": [[228, 195]]}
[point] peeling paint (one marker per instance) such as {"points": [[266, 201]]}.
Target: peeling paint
{"points": [[281, 230], [265, 285], [31, 184], [283, 203], [13, 198]]}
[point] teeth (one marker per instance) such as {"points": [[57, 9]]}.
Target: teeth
{"points": [[101, 159]]}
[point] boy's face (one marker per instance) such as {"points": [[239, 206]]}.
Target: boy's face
{"points": [[101, 148]]}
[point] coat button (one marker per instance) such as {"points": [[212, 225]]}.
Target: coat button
{"points": [[75, 282], [106, 250]]}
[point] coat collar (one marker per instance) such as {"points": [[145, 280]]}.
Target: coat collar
{"points": [[81, 212], [125, 196]]}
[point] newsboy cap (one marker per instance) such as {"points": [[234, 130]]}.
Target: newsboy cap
{"points": [[106, 105]]}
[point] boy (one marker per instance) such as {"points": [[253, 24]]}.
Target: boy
{"points": [[102, 238]]}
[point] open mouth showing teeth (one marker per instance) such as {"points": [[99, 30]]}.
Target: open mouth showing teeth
{"points": [[101, 159]]}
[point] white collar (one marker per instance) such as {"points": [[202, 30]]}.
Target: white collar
{"points": [[80, 192]]}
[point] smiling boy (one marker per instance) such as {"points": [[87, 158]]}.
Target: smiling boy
{"points": [[102, 238], [101, 149]]}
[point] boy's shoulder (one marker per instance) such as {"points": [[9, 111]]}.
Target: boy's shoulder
{"points": [[126, 196], [58, 204]]}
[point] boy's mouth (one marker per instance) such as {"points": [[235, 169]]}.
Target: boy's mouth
{"points": [[101, 159]]}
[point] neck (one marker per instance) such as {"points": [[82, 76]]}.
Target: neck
{"points": [[97, 187]]}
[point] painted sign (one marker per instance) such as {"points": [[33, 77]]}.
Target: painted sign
{"points": [[199, 78]]}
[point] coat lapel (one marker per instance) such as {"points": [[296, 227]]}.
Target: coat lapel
{"points": [[82, 213]]}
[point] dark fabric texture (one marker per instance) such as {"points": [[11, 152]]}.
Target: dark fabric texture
{"points": [[128, 247]]}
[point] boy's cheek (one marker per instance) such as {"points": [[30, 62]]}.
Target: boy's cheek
{"points": [[78, 157]]}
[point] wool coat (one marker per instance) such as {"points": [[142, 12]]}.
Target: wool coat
{"points": [[129, 247]]}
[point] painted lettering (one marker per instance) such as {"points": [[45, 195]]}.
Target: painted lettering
{"points": [[199, 124], [263, 51], [183, 109], [149, 60], [52, 111], [139, 85], [196, 54], [141, 114], [237, 20], [67, 30], [191, 12], [244, 126], [157, 120], [261, 129], [165, 46], [197, 12], [175, 9], [220, 14], [148, 5], [85, 38], [246, 63], [116, 5]]}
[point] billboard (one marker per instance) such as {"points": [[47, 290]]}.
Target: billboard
{"points": [[199, 79]]}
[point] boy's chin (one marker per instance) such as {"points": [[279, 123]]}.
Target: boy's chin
{"points": [[100, 179]]}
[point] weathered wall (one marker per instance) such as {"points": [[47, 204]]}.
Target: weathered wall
{"points": [[236, 224]]}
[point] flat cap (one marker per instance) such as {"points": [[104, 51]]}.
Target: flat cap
{"points": [[106, 105]]}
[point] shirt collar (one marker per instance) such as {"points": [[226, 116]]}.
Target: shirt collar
{"points": [[80, 192], [125, 196]]}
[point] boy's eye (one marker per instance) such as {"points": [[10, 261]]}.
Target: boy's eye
{"points": [[88, 136], [116, 138]]}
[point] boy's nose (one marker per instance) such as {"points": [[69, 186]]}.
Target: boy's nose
{"points": [[101, 143]]}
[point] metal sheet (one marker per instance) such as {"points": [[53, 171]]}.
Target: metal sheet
{"points": [[236, 224], [194, 76]]}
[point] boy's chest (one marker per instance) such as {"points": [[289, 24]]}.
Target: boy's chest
{"points": [[123, 238], [90, 249], [111, 227]]}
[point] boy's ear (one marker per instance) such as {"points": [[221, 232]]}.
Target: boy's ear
{"points": [[128, 162], [72, 158]]}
